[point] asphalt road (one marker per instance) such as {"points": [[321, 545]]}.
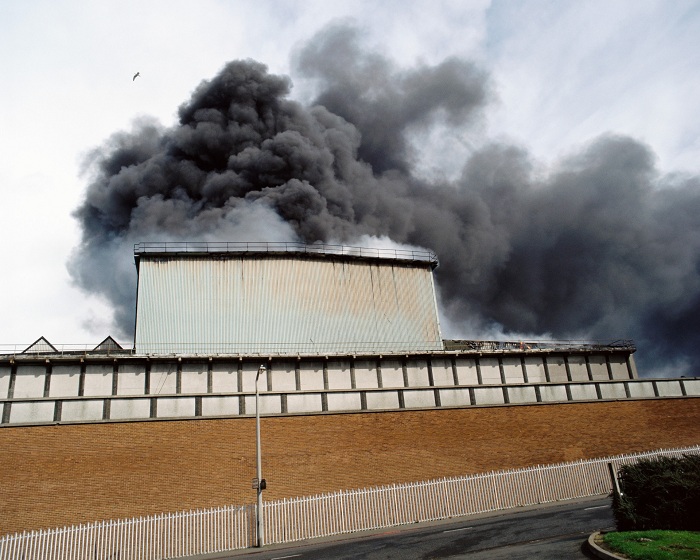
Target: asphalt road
{"points": [[551, 533]]}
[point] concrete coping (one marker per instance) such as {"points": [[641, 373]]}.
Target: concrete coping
{"points": [[598, 551]]}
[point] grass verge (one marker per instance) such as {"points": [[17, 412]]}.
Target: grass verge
{"points": [[655, 545]]}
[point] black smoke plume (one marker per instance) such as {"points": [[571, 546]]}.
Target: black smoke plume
{"points": [[601, 247]]}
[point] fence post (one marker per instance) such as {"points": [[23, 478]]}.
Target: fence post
{"points": [[613, 477]]}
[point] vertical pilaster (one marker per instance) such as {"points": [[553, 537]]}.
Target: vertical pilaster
{"points": [[47, 379]]}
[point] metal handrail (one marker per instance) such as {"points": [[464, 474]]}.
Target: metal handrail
{"points": [[324, 348], [149, 247]]}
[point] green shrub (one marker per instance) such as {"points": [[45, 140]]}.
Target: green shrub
{"points": [[661, 493]]}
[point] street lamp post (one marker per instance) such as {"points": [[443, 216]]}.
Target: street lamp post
{"points": [[258, 464]]}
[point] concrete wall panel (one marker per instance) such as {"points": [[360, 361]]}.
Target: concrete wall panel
{"points": [[30, 381], [220, 406], [599, 367], [618, 365], [194, 378], [692, 386], [613, 391], [224, 377], [132, 379], [669, 388], [419, 399], [583, 392], [522, 395], [284, 376], [442, 372], [32, 412], [124, 409], [577, 365], [81, 410], [382, 400], [304, 403], [339, 374], [366, 374], [4, 380], [466, 371], [490, 371], [454, 397], [250, 371], [269, 404], [553, 393], [392, 373], [492, 395], [175, 407], [344, 401], [513, 369], [65, 381], [535, 369], [417, 372], [311, 376], [557, 369], [98, 380], [163, 380], [641, 389]]}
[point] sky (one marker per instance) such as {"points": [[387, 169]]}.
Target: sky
{"points": [[561, 88]]}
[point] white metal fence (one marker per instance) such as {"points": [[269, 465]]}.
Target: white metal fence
{"points": [[182, 534]]}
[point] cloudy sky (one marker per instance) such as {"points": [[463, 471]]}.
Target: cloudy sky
{"points": [[554, 78]]}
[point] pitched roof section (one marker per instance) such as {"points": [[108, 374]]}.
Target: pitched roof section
{"points": [[40, 346], [108, 345]]}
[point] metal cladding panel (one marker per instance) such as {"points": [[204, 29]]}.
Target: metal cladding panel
{"points": [[287, 305]]}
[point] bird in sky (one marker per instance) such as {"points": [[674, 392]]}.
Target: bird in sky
{"points": [[136, 76]]}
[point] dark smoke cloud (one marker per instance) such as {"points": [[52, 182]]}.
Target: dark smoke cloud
{"points": [[602, 247]]}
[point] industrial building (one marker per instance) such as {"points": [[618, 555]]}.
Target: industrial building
{"points": [[350, 339]]}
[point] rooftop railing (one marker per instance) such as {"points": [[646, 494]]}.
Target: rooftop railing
{"points": [[318, 349], [199, 247]]}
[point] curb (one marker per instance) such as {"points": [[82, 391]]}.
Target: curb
{"points": [[599, 552]]}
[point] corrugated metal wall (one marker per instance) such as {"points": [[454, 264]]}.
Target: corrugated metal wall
{"points": [[251, 304]]}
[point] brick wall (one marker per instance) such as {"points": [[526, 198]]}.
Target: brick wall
{"points": [[61, 475]]}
